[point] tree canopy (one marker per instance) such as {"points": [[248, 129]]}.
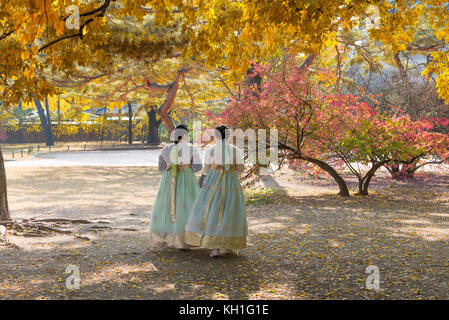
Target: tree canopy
{"points": [[42, 40], [231, 33]]}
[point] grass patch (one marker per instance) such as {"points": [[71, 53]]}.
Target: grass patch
{"points": [[261, 196]]}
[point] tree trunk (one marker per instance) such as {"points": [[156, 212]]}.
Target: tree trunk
{"points": [[393, 169], [50, 126], [409, 173], [308, 62], [21, 129], [368, 177], [48, 134], [402, 172], [360, 185], [59, 112], [167, 121], [402, 71], [253, 79], [103, 124], [344, 192], [130, 123], [164, 110], [4, 209], [153, 127]]}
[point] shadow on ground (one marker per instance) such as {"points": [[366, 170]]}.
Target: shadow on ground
{"points": [[303, 243]]}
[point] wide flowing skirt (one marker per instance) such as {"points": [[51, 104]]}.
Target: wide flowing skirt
{"points": [[204, 229], [163, 231]]}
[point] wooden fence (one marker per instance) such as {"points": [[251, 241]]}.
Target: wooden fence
{"points": [[27, 151]]}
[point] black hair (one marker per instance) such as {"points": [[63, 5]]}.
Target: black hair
{"points": [[222, 132], [180, 131]]}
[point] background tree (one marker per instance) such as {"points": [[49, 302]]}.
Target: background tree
{"points": [[4, 209], [153, 125], [396, 79], [328, 130], [290, 102], [45, 117]]}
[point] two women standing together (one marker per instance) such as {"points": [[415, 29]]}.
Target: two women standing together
{"points": [[212, 217]]}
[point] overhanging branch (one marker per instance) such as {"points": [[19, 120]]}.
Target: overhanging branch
{"points": [[101, 10]]}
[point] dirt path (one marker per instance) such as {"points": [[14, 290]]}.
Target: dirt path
{"points": [[112, 158], [305, 243]]}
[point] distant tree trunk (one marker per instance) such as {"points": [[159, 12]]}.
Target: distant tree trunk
{"points": [[130, 123], [103, 124], [393, 169], [402, 172], [59, 112], [252, 79], [48, 134], [4, 209], [308, 62], [21, 129], [50, 126], [153, 127], [364, 183]]}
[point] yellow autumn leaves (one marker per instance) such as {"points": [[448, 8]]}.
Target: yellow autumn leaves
{"points": [[229, 34], [232, 34]]}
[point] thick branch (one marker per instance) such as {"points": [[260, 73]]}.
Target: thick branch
{"points": [[307, 62], [76, 35], [401, 68], [172, 92], [6, 35], [101, 10]]}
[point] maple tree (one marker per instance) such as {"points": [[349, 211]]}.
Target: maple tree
{"points": [[330, 130], [289, 101], [374, 140], [430, 147]]}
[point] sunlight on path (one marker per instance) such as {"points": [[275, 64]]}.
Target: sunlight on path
{"points": [[128, 158]]}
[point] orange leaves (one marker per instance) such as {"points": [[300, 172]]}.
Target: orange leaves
{"points": [[29, 73], [25, 55], [59, 26], [35, 49]]}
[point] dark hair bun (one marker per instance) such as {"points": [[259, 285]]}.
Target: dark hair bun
{"points": [[182, 126], [222, 131], [180, 131]]}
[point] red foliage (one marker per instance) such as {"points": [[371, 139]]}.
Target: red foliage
{"points": [[314, 122]]}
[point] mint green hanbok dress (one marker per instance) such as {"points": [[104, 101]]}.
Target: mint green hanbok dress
{"points": [[171, 209], [218, 216]]}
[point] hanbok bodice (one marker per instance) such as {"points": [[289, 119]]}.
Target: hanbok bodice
{"points": [[223, 155], [187, 155]]}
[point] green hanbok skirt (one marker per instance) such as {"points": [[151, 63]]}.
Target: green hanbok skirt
{"points": [[218, 217], [163, 231]]}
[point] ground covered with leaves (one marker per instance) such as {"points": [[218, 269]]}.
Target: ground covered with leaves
{"points": [[304, 242]]}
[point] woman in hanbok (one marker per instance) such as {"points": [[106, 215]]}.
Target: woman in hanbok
{"points": [[177, 191], [218, 217]]}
